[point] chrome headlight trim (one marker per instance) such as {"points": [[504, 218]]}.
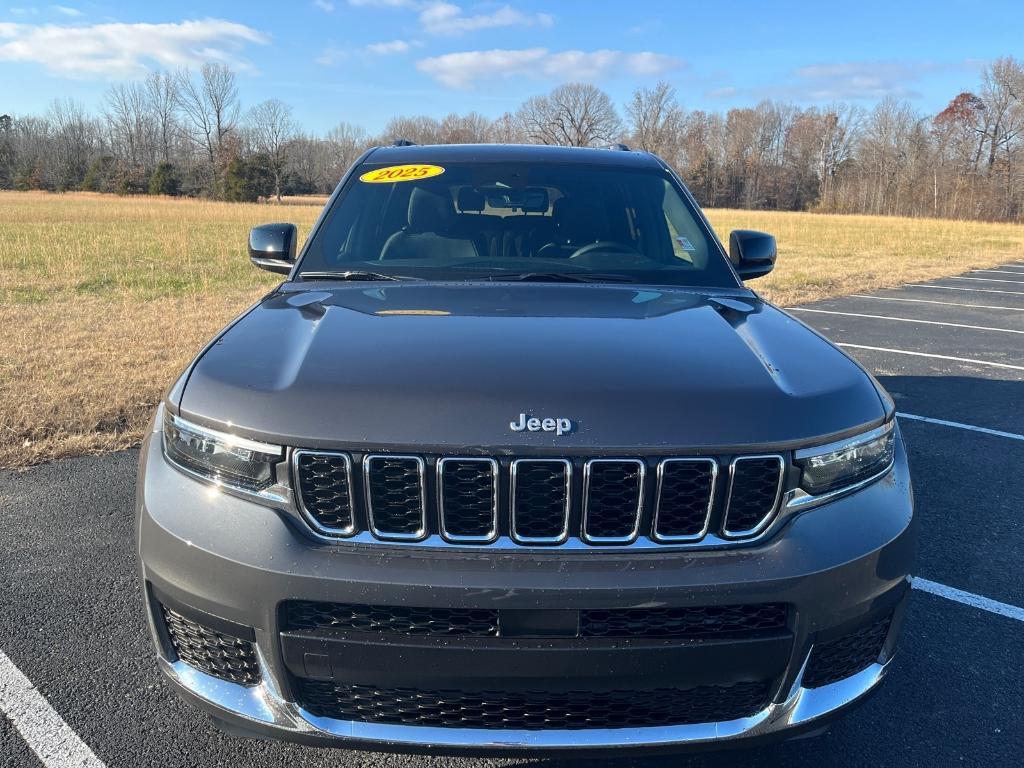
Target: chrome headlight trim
{"points": [[274, 491], [800, 499]]}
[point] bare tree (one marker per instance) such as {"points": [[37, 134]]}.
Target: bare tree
{"points": [[656, 121], [471, 128], [345, 143], [574, 114], [272, 129], [132, 131], [840, 129], [162, 98], [210, 108], [419, 129]]}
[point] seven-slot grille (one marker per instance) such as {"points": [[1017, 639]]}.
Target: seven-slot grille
{"points": [[537, 502]]}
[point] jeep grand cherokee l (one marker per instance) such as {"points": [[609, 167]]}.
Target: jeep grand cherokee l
{"points": [[513, 461]]}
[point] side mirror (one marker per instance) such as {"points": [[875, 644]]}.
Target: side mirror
{"points": [[272, 247], [752, 253]]}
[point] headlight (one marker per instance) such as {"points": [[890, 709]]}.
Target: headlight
{"points": [[219, 457], [828, 469]]}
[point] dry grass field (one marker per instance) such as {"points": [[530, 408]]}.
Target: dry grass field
{"points": [[103, 300]]}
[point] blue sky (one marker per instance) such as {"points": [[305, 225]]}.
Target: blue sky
{"points": [[365, 60]]}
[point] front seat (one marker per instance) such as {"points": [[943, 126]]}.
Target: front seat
{"points": [[429, 233]]}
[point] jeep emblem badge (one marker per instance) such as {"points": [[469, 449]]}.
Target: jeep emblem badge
{"points": [[527, 423]]}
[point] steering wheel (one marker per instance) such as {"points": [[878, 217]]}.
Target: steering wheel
{"points": [[605, 245]]}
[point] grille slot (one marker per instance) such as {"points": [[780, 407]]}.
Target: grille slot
{"points": [[215, 653], [399, 620], [686, 489], [612, 500], [533, 710], [755, 485], [540, 500], [468, 499], [396, 496], [325, 491], [837, 659], [687, 623]]}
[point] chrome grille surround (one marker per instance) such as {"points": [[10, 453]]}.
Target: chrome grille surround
{"points": [[411, 535], [518, 465], [765, 520], [311, 515], [442, 505], [589, 501], [665, 464]]}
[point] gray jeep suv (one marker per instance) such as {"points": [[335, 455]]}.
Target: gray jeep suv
{"points": [[512, 461]]}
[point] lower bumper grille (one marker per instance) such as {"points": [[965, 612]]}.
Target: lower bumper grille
{"points": [[532, 710], [685, 623], [837, 659], [435, 622], [689, 623], [215, 653]]}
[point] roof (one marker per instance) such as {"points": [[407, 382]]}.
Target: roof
{"points": [[511, 153]]}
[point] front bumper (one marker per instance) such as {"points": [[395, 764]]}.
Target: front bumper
{"points": [[228, 560]]}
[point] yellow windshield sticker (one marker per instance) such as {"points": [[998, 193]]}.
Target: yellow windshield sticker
{"points": [[395, 173]]}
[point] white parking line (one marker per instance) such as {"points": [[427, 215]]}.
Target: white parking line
{"points": [[985, 279], [958, 288], [931, 301], [999, 271], [903, 319], [53, 741], [960, 425], [968, 598], [929, 354]]}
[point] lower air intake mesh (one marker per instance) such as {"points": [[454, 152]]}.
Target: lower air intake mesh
{"points": [[210, 651], [532, 710]]}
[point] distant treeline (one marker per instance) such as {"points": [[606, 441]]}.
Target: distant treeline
{"points": [[185, 133]]}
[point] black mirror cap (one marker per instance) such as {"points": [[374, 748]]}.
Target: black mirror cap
{"points": [[272, 247], [752, 253]]}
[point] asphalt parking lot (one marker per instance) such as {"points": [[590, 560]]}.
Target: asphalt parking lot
{"points": [[950, 351]]}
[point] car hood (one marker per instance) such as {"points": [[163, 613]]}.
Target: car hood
{"points": [[451, 366]]}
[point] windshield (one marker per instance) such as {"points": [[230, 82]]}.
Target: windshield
{"points": [[472, 221]]}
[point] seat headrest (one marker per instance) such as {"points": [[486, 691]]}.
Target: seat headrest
{"points": [[578, 221], [430, 211], [471, 199]]}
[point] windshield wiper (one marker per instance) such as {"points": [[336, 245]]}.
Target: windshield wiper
{"points": [[352, 274], [563, 277]]}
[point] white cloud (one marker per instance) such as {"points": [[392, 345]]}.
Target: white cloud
{"points": [[460, 70], [859, 80], [331, 55], [124, 50], [24, 11], [392, 46], [324, 5], [385, 3], [63, 9], [442, 18]]}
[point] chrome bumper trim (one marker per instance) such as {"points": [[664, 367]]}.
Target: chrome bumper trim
{"points": [[263, 704]]}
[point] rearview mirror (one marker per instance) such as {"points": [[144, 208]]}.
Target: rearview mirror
{"points": [[752, 253], [272, 247]]}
